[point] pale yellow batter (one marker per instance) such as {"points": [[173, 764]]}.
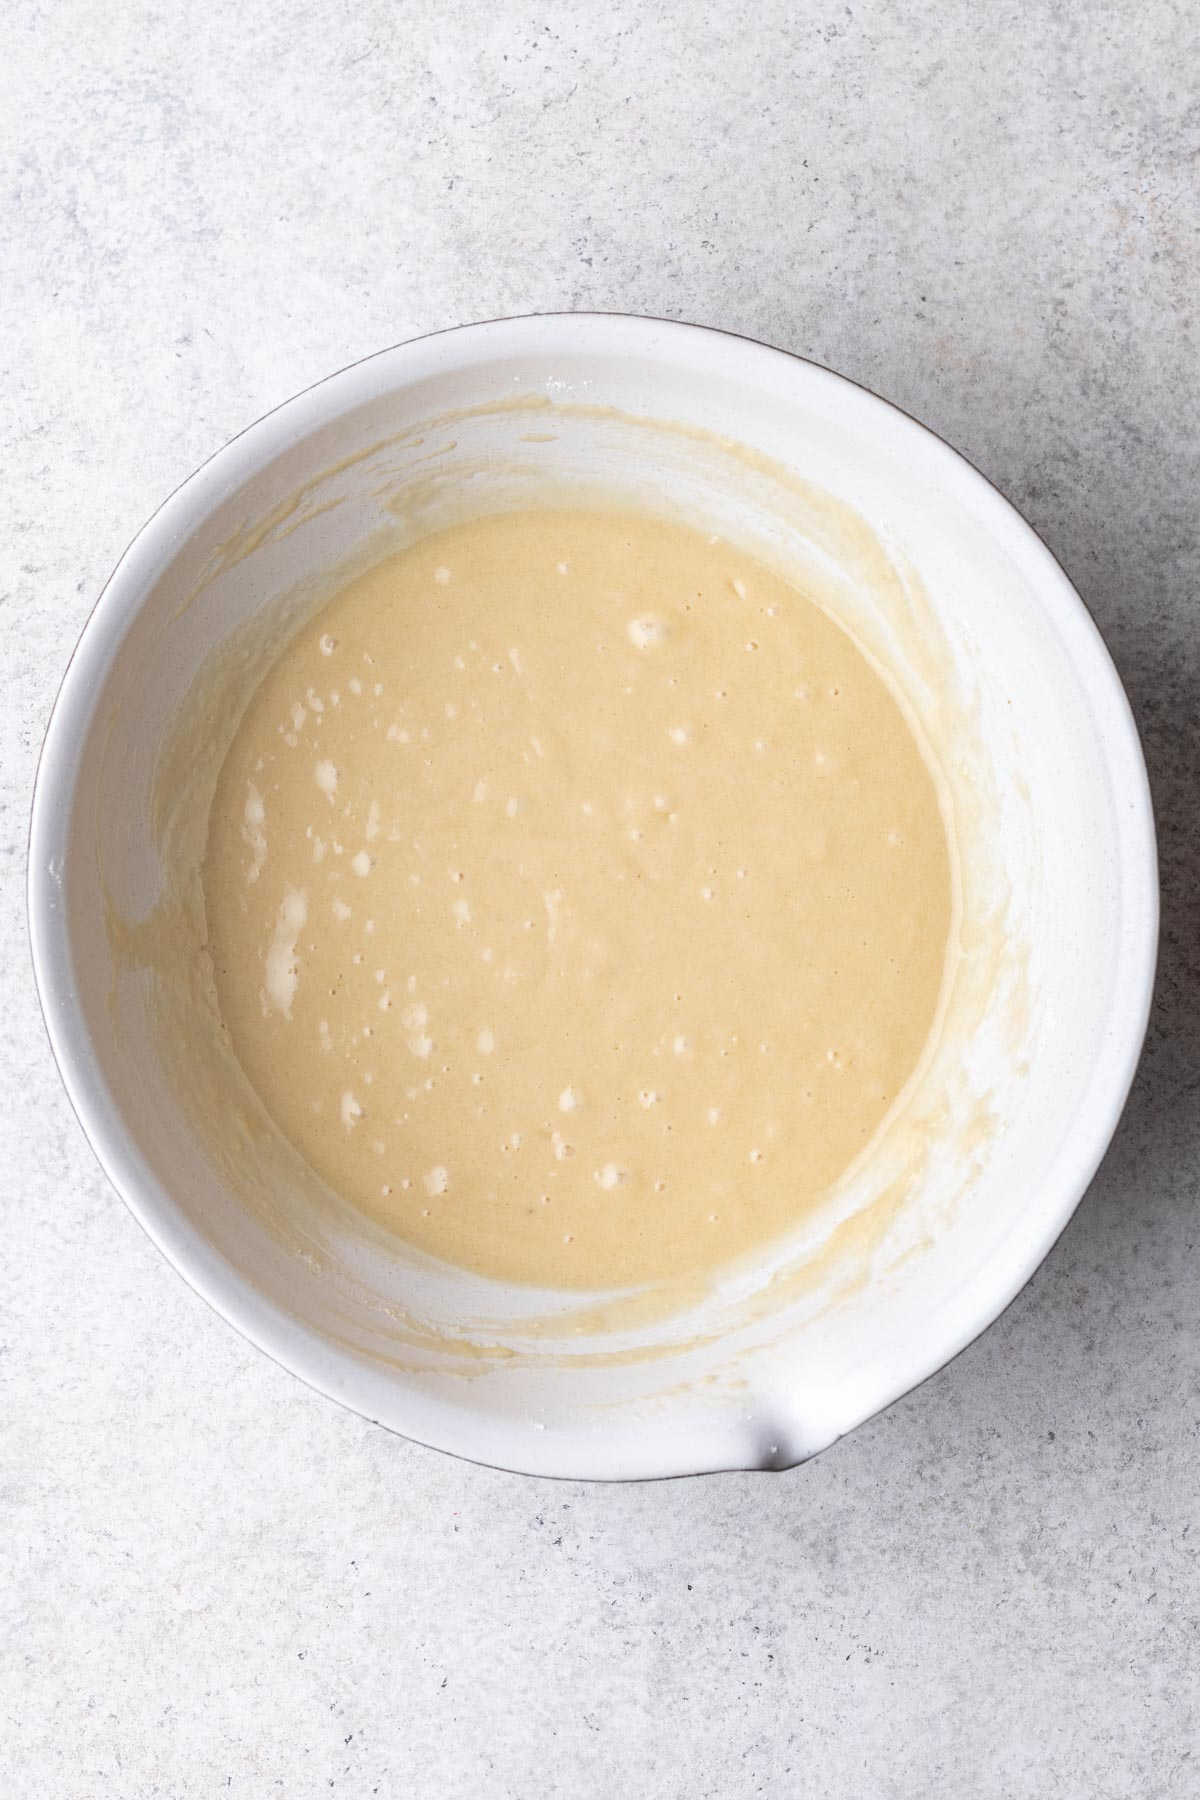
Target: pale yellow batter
{"points": [[578, 898]]}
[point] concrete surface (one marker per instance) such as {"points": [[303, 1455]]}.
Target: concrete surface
{"points": [[211, 1581]]}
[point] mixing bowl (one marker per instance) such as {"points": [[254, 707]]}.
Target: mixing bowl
{"points": [[983, 1157]]}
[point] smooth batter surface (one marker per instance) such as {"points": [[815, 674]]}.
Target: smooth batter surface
{"points": [[578, 898]]}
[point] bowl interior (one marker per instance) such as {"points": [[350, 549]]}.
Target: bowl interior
{"points": [[978, 1167]]}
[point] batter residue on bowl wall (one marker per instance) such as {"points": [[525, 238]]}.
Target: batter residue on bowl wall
{"points": [[578, 898]]}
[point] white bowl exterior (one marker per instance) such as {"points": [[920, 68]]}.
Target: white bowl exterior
{"points": [[1050, 708]]}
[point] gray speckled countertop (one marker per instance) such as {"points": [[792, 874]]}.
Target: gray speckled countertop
{"points": [[213, 1582]]}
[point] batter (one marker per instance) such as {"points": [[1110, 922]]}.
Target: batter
{"points": [[578, 898]]}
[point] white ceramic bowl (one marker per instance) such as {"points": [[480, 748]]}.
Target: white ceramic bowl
{"points": [[983, 1162]]}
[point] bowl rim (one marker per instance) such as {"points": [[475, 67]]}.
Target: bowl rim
{"points": [[289, 1341]]}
